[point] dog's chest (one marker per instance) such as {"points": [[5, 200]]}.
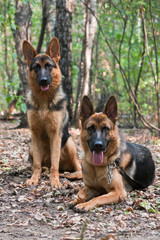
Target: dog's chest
{"points": [[44, 120], [95, 177]]}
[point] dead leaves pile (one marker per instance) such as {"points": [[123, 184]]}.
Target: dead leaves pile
{"points": [[42, 212]]}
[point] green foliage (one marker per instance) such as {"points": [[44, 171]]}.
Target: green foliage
{"points": [[33, 2], [77, 38], [9, 85], [20, 104], [128, 47], [106, 76], [147, 206], [8, 64]]}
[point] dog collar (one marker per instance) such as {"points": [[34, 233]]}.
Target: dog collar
{"points": [[110, 168]]}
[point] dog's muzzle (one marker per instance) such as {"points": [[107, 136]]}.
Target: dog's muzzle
{"points": [[44, 84]]}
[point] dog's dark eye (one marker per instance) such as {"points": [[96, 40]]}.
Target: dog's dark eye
{"points": [[105, 129], [49, 66], [36, 67], [91, 129]]}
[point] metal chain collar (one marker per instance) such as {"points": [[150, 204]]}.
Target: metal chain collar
{"points": [[110, 168]]}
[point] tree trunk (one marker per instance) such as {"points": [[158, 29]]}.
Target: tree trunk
{"points": [[23, 21], [63, 31], [90, 26], [80, 85], [45, 16], [51, 9], [9, 74], [96, 66], [90, 30]]}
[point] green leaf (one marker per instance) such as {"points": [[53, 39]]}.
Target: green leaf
{"points": [[33, 2], [14, 55], [25, 1], [23, 107], [147, 206], [152, 210], [57, 193], [13, 26], [8, 98]]}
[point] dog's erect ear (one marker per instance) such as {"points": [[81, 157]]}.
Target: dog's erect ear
{"points": [[53, 49], [86, 109], [29, 52], [111, 109]]}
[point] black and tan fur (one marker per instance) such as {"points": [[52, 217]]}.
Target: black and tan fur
{"points": [[133, 167], [52, 145]]}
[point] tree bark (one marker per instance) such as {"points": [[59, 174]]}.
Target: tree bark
{"points": [[23, 22], [51, 9], [90, 30], [80, 85], [84, 77], [63, 31], [45, 17], [9, 74]]}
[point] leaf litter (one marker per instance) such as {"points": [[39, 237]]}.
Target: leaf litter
{"points": [[42, 212]]}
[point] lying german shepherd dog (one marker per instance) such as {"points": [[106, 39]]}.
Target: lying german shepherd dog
{"points": [[110, 165], [52, 145]]}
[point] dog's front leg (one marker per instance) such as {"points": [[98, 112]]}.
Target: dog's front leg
{"points": [[55, 145], [109, 198], [37, 160], [84, 195]]}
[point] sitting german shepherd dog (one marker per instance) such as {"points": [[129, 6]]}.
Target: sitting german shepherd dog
{"points": [[52, 145], [110, 165]]}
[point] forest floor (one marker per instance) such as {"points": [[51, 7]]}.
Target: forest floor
{"points": [[41, 212]]}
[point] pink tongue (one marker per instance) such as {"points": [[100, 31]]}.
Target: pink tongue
{"points": [[44, 88], [97, 158]]}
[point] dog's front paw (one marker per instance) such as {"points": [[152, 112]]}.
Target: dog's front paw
{"points": [[83, 207], [74, 175], [55, 183], [32, 181], [72, 204]]}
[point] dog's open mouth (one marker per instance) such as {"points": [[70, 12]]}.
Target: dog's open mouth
{"points": [[97, 158], [44, 88]]}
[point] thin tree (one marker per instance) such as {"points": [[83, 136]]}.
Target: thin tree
{"points": [[90, 31], [23, 15], [84, 78], [63, 31], [45, 17]]}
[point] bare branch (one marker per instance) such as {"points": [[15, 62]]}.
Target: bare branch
{"points": [[146, 42], [125, 19], [143, 54], [45, 16], [129, 50]]}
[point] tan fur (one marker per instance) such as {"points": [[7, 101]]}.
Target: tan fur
{"points": [[46, 126], [97, 191], [99, 119], [125, 160], [41, 97], [95, 179], [111, 166]]}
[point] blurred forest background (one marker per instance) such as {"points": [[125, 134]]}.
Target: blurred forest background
{"points": [[108, 47]]}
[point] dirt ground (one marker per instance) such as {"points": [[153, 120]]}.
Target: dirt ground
{"points": [[42, 212]]}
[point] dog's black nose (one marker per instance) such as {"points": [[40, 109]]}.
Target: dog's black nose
{"points": [[43, 81], [98, 145]]}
